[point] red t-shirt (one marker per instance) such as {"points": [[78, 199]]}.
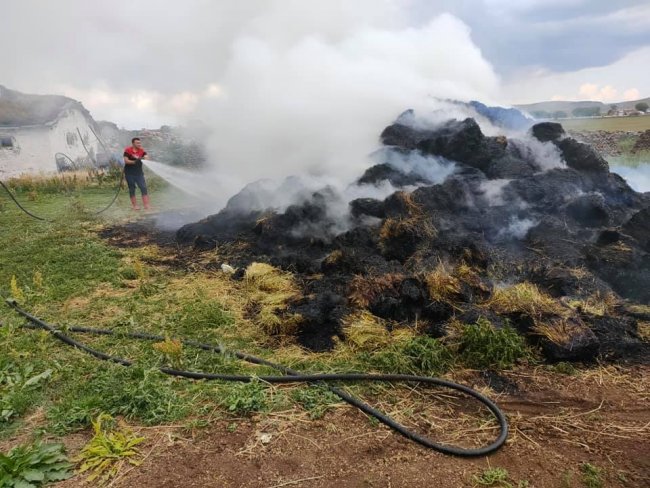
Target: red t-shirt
{"points": [[134, 154]]}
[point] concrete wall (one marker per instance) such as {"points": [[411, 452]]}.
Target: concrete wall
{"points": [[34, 147]]}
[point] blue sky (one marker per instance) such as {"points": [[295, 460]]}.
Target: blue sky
{"points": [[150, 62], [559, 36]]}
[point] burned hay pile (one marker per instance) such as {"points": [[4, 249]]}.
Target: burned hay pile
{"points": [[535, 232]]}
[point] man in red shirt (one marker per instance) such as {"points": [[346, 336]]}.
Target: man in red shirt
{"points": [[133, 156]]}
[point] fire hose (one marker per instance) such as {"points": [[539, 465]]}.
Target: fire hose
{"points": [[292, 376]]}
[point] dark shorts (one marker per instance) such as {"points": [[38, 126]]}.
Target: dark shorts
{"points": [[133, 180]]}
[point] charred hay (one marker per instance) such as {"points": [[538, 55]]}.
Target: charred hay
{"points": [[443, 252]]}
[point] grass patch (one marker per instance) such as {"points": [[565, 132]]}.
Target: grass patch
{"points": [[482, 345], [20, 387], [245, 398], [493, 477], [592, 476], [634, 160], [419, 355], [316, 399], [134, 392], [613, 124]]}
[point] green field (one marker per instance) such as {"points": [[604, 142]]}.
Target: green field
{"points": [[612, 124]]}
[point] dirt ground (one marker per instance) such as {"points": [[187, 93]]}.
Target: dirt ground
{"points": [[558, 422]]}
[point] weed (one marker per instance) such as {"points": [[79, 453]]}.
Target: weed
{"points": [[592, 476], [172, 351], [496, 477], [133, 392], [37, 280], [245, 398], [564, 368], [419, 355], [567, 479], [17, 386], [34, 465], [16, 292], [316, 399], [484, 346], [108, 450]]}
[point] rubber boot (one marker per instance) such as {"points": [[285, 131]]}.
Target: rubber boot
{"points": [[134, 204], [145, 201]]}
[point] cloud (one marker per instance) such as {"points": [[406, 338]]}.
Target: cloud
{"points": [[631, 94], [609, 83], [591, 91]]}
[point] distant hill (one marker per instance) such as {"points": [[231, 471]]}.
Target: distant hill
{"points": [[20, 109], [568, 107]]}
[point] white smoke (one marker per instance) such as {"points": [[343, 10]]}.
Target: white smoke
{"points": [[517, 227], [493, 191], [312, 103], [432, 168], [546, 154], [637, 177]]}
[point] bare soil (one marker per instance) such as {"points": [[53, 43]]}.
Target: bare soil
{"points": [[558, 422]]}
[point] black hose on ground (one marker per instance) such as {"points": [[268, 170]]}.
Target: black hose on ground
{"points": [[293, 376], [11, 195]]}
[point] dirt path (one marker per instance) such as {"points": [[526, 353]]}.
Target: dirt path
{"points": [[558, 422]]}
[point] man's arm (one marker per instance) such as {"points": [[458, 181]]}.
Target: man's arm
{"points": [[128, 159], [146, 156]]}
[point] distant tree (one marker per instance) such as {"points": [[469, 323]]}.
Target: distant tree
{"points": [[642, 106], [559, 115], [613, 107], [586, 112], [541, 114]]}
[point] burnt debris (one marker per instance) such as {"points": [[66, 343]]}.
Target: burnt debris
{"points": [[542, 209]]}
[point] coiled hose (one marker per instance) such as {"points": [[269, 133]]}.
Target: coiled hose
{"points": [[293, 376]]}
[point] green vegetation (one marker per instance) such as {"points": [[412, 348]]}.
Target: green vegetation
{"points": [[494, 477], [108, 450], [592, 476], [245, 398], [586, 112], [631, 123], [34, 465], [20, 386], [419, 355], [484, 346]]}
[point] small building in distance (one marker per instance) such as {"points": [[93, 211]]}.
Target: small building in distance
{"points": [[44, 134]]}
